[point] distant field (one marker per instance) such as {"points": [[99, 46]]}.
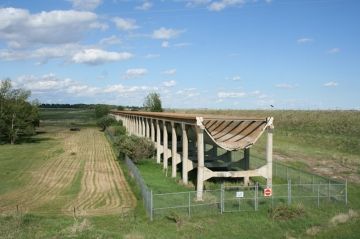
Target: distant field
{"points": [[68, 117]]}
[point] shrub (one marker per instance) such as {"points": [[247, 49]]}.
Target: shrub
{"points": [[284, 212], [106, 121], [136, 148], [117, 130]]}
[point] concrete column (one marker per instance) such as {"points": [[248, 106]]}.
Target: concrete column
{"points": [[185, 154], [173, 150], [158, 141], [147, 128], [200, 167], [269, 153], [138, 126], [141, 126], [246, 165], [152, 130], [165, 143]]}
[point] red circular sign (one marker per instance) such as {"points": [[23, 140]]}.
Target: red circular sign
{"points": [[267, 192]]}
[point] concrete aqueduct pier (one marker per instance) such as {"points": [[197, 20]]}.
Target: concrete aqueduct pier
{"points": [[204, 142]]}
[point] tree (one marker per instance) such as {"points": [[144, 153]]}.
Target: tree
{"points": [[101, 110], [106, 121], [152, 102], [18, 116]]}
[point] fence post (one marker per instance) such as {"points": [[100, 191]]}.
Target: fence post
{"points": [[287, 173], [222, 199], [256, 195], [151, 205], [346, 191], [318, 202], [329, 190], [289, 192], [189, 201], [312, 182]]}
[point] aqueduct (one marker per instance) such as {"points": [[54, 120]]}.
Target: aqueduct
{"points": [[202, 142]]}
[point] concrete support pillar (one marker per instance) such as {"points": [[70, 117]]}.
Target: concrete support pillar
{"points": [[173, 150], [158, 141], [200, 167], [246, 165], [269, 153], [142, 132], [137, 126], [147, 128], [152, 130], [165, 143], [185, 154]]}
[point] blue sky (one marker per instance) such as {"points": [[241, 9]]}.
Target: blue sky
{"points": [[240, 54]]}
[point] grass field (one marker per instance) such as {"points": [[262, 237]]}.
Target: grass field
{"points": [[58, 169]]}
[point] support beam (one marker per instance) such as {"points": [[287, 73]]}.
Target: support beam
{"points": [[165, 143], [269, 153], [158, 142], [185, 154], [200, 158], [173, 150]]}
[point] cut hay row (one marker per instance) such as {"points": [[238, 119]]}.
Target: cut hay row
{"points": [[102, 189]]}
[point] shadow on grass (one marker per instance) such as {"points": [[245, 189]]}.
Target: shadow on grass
{"points": [[33, 140]]}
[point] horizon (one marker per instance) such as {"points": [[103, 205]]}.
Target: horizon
{"points": [[198, 54]]}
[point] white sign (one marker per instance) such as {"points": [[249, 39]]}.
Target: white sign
{"points": [[239, 194]]}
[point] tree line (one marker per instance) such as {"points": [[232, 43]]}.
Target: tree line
{"points": [[18, 116]]}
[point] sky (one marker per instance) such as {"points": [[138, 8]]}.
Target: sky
{"points": [[223, 54]]}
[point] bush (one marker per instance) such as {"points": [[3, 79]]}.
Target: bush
{"points": [[284, 212], [106, 121], [117, 130], [136, 148]]}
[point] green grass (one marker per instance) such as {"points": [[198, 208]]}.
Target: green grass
{"points": [[16, 161]]}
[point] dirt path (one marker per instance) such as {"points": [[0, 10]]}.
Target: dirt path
{"points": [[54, 188]]}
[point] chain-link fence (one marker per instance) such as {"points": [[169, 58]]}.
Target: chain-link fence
{"points": [[230, 198], [146, 193]]}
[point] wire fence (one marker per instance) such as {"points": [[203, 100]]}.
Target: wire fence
{"points": [[301, 187], [238, 198]]}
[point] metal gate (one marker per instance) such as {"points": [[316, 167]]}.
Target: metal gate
{"points": [[239, 198]]}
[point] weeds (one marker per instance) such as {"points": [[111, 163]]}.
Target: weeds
{"points": [[285, 212]]}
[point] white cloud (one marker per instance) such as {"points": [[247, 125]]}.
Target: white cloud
{"points": [[224, 94], [195, 3], [331, 84], [221, 5], [19, 28], [98, 56], [166, 33], [182, 44], [165, 44], [135, 73], [112, 40], [125, 24], [151, 56], [188, 92], [285, 86], [85, 4], [169, 72], [304, 40], [236, 78], [170, 83], [144, 6], [334, 50]]}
